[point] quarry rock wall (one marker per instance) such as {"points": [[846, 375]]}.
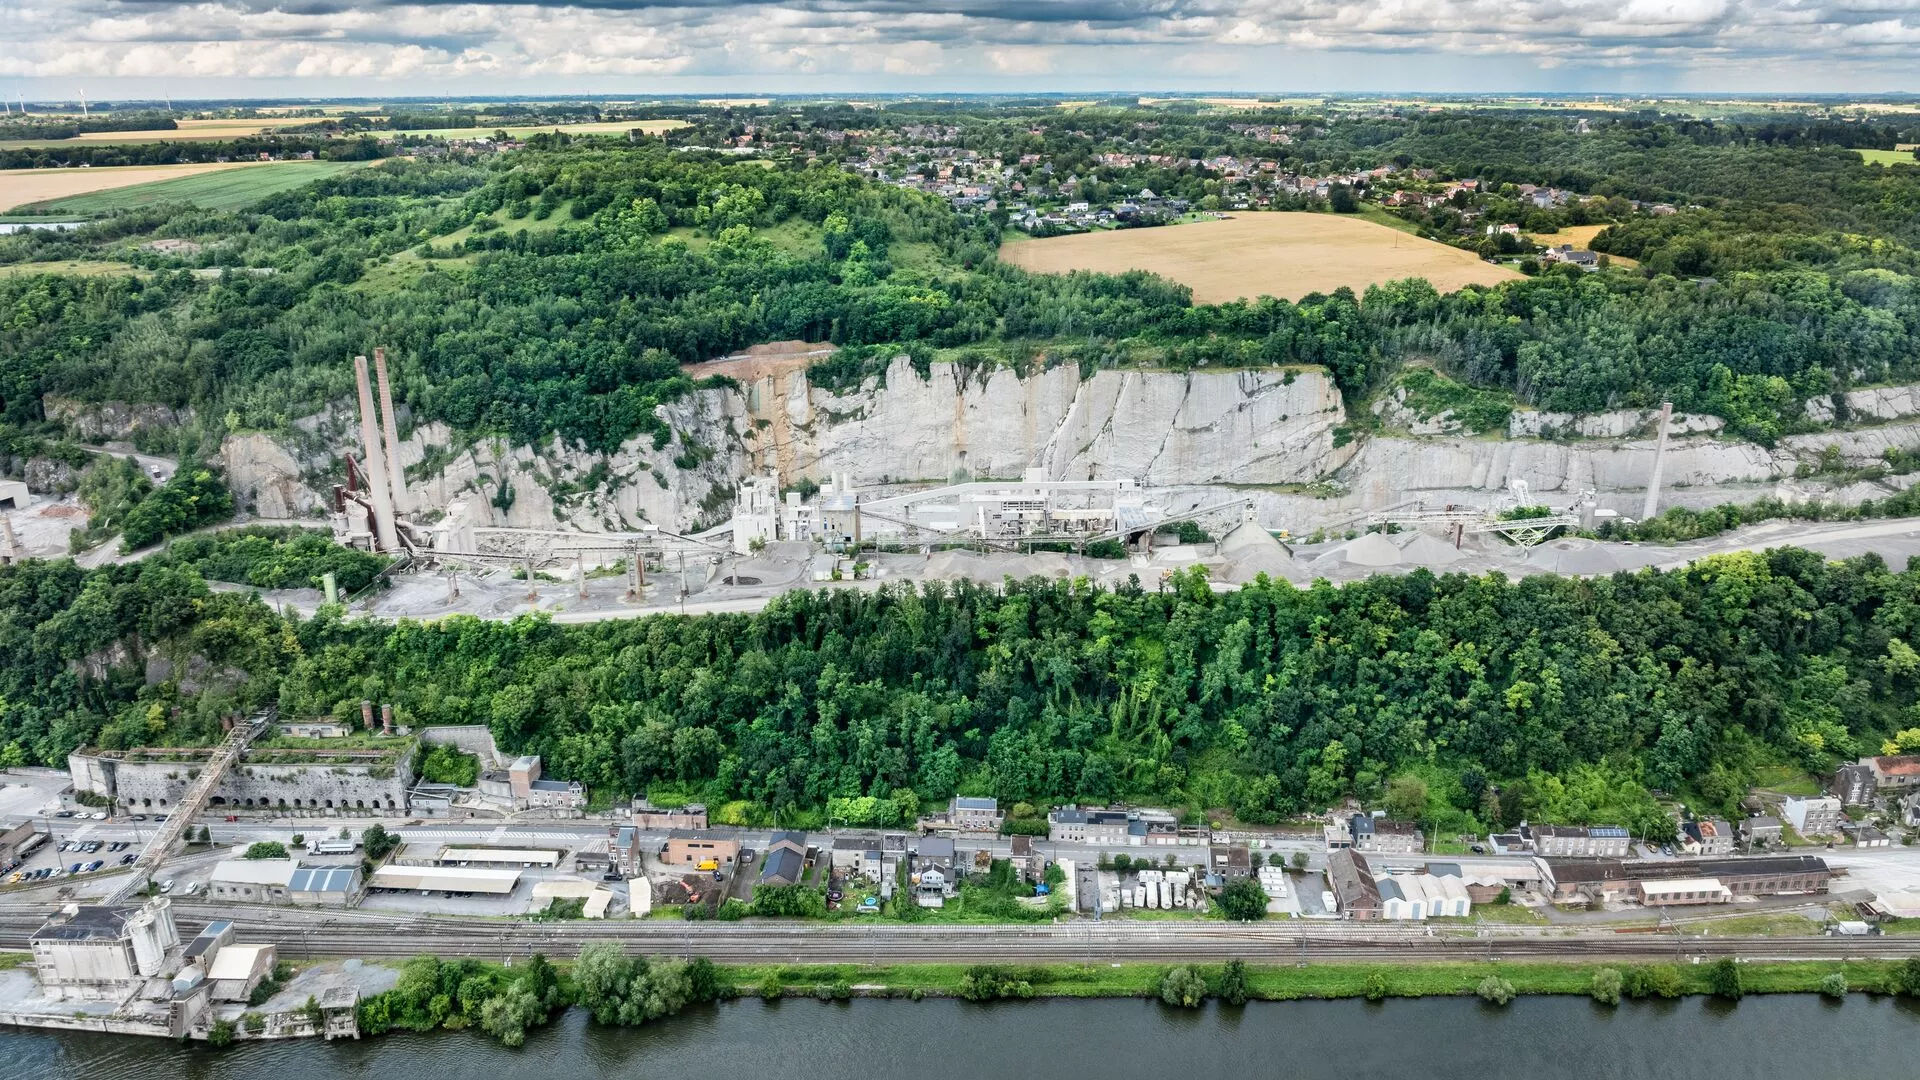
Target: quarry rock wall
{"points": [[1279, 436]]}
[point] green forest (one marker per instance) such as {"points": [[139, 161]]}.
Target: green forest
{"points": [[1547, 698], [558, 290]]}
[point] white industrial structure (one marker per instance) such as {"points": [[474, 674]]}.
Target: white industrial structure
{"points": [[100, 952]]}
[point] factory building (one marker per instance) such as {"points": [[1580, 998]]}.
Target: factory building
{"points": [[97, 952]]}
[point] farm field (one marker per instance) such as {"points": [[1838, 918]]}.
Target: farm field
{"points": [[19, 187], [189, 131], [1287, 255], [1888, 157], [605, 127], [213, 187]]}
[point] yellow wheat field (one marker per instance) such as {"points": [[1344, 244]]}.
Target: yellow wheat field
{"points": [[1287, 255]]}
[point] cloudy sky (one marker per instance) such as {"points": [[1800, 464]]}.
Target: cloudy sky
{"points": [[184, 48]]}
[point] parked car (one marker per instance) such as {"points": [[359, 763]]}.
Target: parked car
{"points": [[166, 887], [95, 865], [98, 815], [74, 869], [192, 890], [64, 813], [127, 859]]}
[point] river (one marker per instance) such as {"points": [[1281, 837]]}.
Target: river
{"points": [[1797, 1037]]}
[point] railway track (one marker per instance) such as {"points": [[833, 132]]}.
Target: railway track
{"points": [[308, 933]]}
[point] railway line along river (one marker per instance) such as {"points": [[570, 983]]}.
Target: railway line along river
{"points": [[1440, 1038]]}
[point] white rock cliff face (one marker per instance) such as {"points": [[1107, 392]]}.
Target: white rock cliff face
{"points": [[1164, 428], [1193, 430]]}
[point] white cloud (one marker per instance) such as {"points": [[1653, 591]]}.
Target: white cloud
{"points": [[1040, 43]]}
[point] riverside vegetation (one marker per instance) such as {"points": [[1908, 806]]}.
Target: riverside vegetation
{"points": [[507, 1003]]}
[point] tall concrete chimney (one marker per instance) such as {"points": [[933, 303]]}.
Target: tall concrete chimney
{"points": [[386, 719], [1652, 506], [366, 713], [388, 428], [376, 468]]}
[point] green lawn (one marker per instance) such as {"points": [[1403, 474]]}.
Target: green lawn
{"points": [[1777, 924], [228, 189], [1786, 780], [1887, 157], [1282, 983]]}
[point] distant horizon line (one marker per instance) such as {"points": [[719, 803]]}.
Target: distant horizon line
{"points": [[17, 100]]}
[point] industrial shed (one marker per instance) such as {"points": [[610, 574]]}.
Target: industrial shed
{"points": [[445, 879], [471, 856]]}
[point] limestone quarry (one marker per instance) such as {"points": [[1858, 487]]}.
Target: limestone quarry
{"points": [[1281, 438]]}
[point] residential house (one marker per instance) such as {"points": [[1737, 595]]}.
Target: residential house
{"points": [[530, 791], [932, 874], [1230, 861], [1901, 774], [1565, 253], [1510, 843], [974, 815], [785, 862], [1709, 837], [1101, 828], [1816, 816], [857, 855], [1356, 896], [1027, 862], [1372, 835], [1910, 810], [1760, 831], [1855, 784], [1579, 841], [623, 847], [685, 847]]}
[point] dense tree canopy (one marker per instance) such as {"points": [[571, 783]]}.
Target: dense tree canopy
{"points": [[1544, 698]]}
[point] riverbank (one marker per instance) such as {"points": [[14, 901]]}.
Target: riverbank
{"points": [[1289, 982]]}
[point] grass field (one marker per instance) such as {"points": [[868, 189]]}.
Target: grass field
{"points": [[1887, 157], [19, 187], [227, 189], [1313, 981], [77, 267], [1263, 254]]}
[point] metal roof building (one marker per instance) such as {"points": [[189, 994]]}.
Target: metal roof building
{"points": [[445, 879]]}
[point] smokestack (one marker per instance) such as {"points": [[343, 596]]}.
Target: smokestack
{"points": [[376, 470], [401, 504], [386, 719], [1659, 459], [366, 713]]}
